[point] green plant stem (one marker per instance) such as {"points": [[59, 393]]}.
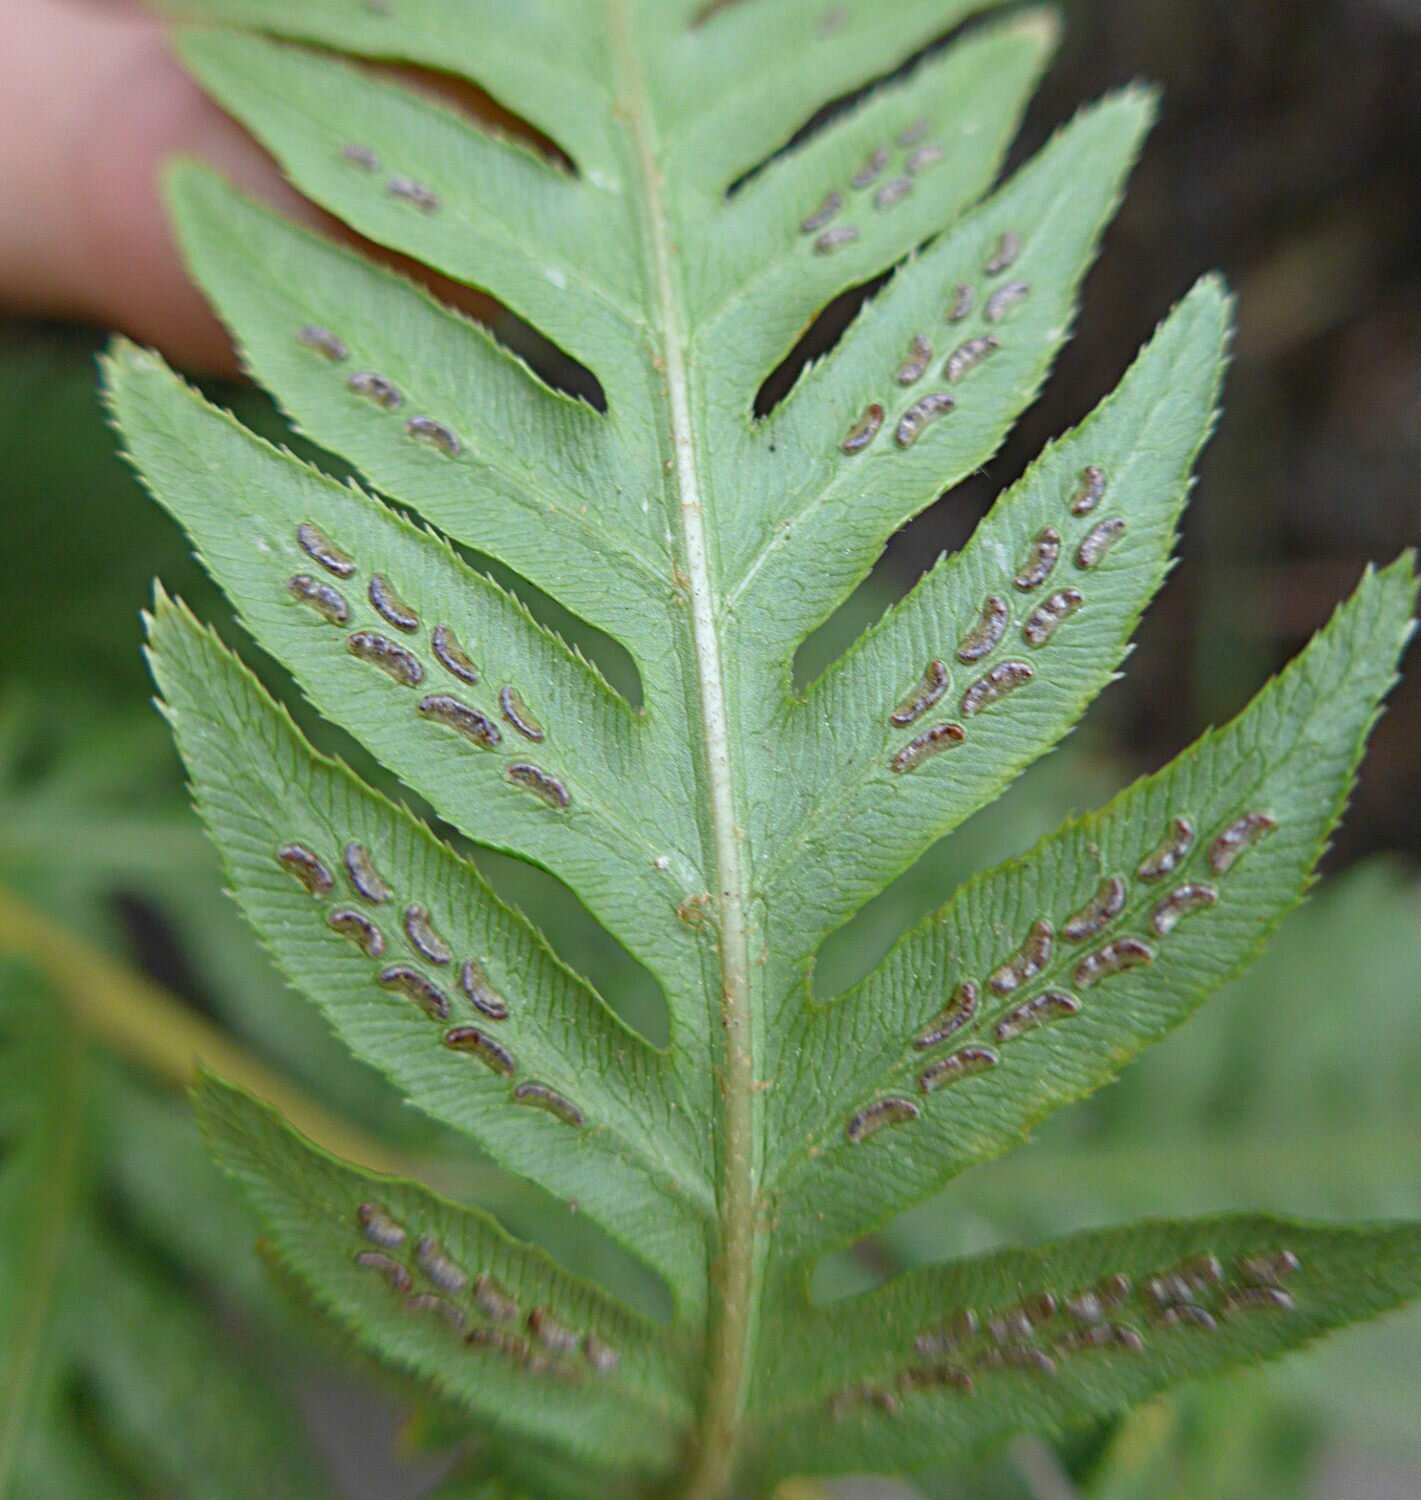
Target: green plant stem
{"points": [[143, 1024], [733, 1271]]}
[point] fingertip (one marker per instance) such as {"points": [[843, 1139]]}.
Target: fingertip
{"points": [[145, 289], [96, 105]]}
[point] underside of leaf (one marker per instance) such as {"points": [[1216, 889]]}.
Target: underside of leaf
{"points": [[681, 193]]}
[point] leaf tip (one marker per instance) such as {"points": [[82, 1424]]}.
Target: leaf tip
{"points": [[1039, 26], [188, 182], [1139, 102], [122, 358]]}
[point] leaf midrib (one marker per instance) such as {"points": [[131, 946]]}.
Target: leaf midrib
{"points": [[713, 1461]]}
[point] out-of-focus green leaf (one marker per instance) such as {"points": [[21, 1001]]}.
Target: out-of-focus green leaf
{"points": [[117, 1377]]}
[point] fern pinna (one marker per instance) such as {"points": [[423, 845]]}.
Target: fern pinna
{"points": [[675, 245]]}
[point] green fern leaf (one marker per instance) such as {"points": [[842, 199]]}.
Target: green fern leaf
{"points": [[1134, 967], [687, 213], [1088, 1324], [495, 1305], [101, 1340], [636, 1165], [857, 821]]}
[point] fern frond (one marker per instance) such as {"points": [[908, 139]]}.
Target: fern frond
{"points": [[543, 63], [728, 99], [477, 208], [821, 518], [605, 567], [1043, 976], [628, 1156], [1092, 1324], [855, 819], [750, 308], [443, 1292], [708, 178]]}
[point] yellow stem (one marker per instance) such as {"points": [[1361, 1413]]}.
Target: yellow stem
{"points": [[140, 1022]]}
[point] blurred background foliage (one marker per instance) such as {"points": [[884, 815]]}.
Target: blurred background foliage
{"points": [[1286, 155]]}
